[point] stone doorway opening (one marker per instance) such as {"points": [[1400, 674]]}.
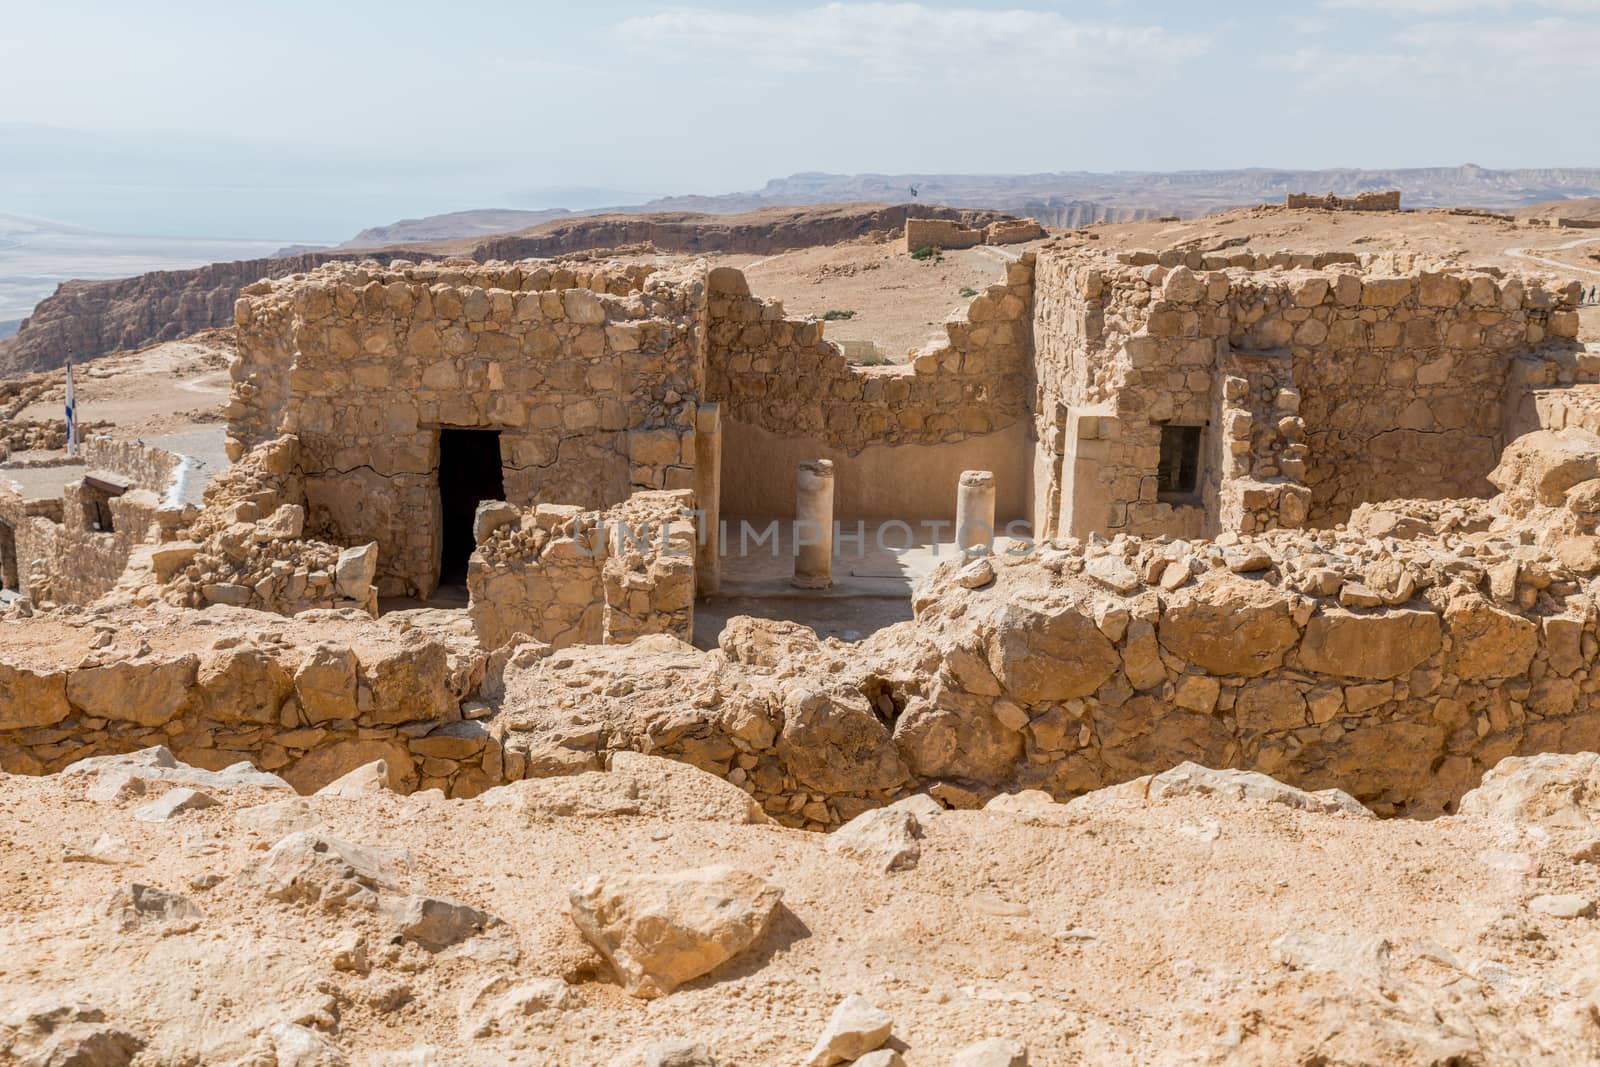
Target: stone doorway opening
{"points": [[9, 582], [470, 472]]}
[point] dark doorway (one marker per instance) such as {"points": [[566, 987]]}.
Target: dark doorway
{"points": [[8, 559], [469, 474]]}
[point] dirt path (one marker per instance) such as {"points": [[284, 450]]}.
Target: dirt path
{"points": [[1523, 253]]}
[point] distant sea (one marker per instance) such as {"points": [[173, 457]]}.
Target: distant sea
{"points": [[36, 256]]}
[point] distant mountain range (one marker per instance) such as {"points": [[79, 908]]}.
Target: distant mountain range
{"points": [[1062, 199]]}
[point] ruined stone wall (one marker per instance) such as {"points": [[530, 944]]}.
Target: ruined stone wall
{"points": [[578, 371], [267, 565], [946, 234], [1379, 386], [781, 375], [894, 432], [563, 576], [82, 563], [940, 233], [1402, 379], [146, 466], [33, 527], [1389, 201], [309, 699], [1399, 674], [30, 435], [61, 558]]}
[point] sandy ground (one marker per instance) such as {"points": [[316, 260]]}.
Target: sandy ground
{"points": [[1466, 239], [169, 388], [899, 303], [1108, 931]]}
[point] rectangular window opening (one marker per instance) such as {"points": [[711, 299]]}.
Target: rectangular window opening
{"points": [[1178, 472]]}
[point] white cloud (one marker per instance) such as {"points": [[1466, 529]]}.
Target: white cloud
{"points": [[1538, 61], [1452, 8], [913, 42]]}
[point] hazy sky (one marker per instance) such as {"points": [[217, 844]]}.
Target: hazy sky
{"points": [[306, 121]]}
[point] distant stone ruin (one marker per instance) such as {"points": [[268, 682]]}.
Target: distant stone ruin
{"points": [[947, 234], [1389, 201]]}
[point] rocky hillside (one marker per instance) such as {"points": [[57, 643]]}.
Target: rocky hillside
{"points": [[83, 319], [759, 233]]}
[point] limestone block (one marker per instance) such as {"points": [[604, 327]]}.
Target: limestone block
{"points": [[146, 692], [1376, 646], [1229, 626], [30, 698], [1041, 657]]}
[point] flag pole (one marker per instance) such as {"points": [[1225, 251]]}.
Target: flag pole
{"points": [[72, 415]]}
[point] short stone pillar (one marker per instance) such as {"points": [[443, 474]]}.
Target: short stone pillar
{"points": [[813, 525], [708, 499], [975, 513]]}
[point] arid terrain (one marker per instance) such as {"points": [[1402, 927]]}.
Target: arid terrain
{"points": [[1271, 743], [1201, 927]]}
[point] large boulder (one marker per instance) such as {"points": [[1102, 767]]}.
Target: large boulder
{"points": [[243, 684], [886, 839], [135, 907], [325, 684], [330, 763], [1229, 625], [1538, 468], [856, 1027], [1041, 656], [956, 735], [1549, 789], [1382, 645], [637, 785], [1191, 779], [158, 764], [765, 642], [660, 930], [49, 1033], [315, 868]]}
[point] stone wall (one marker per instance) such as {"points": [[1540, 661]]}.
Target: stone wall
{"points": [[61, 557], [309, 699], [563, 576], [28, 435], [584, 374], [1399, 676], [779, 374], [940, 233], [897, 432], [1389, 201], [946, 234], [1396, 670], [1365, 387]]}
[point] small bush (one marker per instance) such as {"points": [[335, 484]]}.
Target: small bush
{"points": [[968, 292], [925, 252], [835, 316]]}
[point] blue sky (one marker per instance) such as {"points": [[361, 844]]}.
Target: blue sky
{"points": [[301, 120]]}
